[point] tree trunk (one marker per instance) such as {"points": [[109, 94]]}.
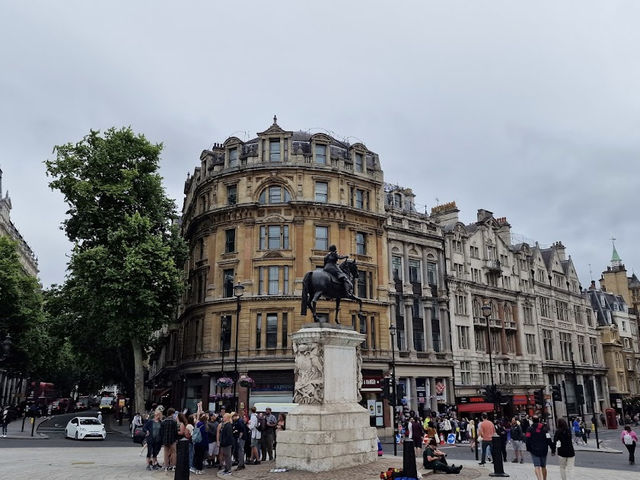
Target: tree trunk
{"points": [[138, 376]]}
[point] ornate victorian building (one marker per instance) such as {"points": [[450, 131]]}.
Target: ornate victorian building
{"points": [[571, 350], [7, 228], [538, 318], [419, 303], [261, 214]]}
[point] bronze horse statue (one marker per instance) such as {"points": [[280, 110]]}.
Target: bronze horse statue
{"points": [[319, 283]]}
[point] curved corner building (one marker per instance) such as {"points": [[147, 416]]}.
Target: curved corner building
{"points": [[261, 214]]}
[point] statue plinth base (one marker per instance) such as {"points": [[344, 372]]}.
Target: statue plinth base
{"points": [[328, 429]]}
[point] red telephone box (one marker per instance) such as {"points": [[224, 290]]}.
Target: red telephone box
{"points": [[612, 423]]}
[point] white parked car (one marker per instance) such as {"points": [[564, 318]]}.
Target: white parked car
{"points": [[85, 427]]}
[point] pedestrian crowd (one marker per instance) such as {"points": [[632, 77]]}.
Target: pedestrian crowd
{"points": [[190, 443]]}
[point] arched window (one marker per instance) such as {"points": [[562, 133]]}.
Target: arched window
{"points": [[508, 314], [475, 306], [274, 194]]}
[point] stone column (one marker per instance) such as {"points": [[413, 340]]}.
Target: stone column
{"points": [[413, 394], [428, 331], [328, 429], [432, 394], [408, 326]]}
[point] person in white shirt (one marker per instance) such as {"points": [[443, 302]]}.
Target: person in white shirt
{"points": [[255, 437]]}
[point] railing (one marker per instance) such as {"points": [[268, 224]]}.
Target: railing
{"points": [[493, 265]]}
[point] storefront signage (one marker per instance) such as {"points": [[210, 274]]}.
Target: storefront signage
{"points": [[371, 382], [470, 400]]}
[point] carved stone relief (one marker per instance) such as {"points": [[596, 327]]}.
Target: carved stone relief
{"points": [[309, 373]]}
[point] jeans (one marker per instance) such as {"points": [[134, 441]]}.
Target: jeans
{"points": [[566, 466], [485, 444], [226, 458], [198, 456], [267, 445], [240, 452], [191, 453], [4, 428]]}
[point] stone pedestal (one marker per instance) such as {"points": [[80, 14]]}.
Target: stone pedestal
{"points": [[328, 429]]}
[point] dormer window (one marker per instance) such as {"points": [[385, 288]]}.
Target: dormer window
{"points": [[274, 150], [321, 154], [274, 194], [397, 200], [233, 157], [359, 162]]}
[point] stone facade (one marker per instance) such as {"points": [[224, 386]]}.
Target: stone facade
{"points": [[618, 325], [614, 280], [572, 354], [263, 213], [7, 228], [419, 303], [536, 306]]}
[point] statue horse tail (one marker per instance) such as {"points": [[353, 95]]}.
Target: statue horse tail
{"points": [[305, 293]]}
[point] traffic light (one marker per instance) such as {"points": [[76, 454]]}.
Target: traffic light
{"points": [[556, 394], [386, 388], [400, 393], [580, 394], [538, 395]]}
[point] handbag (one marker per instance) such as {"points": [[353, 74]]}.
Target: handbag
{"points": [[138, 435]]}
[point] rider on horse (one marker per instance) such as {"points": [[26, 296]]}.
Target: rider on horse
{"points": [[331, 267]]}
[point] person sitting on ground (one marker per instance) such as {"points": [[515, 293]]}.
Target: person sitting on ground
{"points": [[434, 459]]}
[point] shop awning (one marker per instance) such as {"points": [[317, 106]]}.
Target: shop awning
{"points": [[475, 407]]}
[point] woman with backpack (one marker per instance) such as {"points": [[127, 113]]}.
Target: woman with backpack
{"points": [[563, 445], [200, 441], [629, 440]]}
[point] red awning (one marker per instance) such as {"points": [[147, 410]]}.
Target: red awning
{"points": [[475, 407]]}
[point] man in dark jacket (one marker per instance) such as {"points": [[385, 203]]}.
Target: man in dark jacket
{"points": [[538, 441], [240, 436], [169, 435]]}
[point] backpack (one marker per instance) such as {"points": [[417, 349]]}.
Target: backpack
{"points": [[262, 424], [627, 439], [196, 436]]}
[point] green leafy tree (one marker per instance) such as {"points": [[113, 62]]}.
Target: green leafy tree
{"points": [[124, 277], [20, 310]]}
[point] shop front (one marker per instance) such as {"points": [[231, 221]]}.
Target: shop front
{"points": [[275, 386], [371, 393], [473, 406]]}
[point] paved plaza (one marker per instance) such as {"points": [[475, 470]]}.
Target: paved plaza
{"points": [[125, 463]]}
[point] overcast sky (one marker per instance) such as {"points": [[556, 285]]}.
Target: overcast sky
{"points": [[528, 109]]}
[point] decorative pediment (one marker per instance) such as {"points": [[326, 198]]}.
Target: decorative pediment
{"points": [[231, 141], [274, 130], [274, 218], [273, 254], [322, 138]]}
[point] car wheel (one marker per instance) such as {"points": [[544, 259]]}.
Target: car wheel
{"points": [[76, 435]]}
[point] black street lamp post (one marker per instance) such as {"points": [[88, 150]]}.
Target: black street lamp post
{"points": [[496, 441], [393, 331], [238, 291]]}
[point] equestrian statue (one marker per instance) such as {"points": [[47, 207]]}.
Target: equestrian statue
{"points": [[333, 281]]}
